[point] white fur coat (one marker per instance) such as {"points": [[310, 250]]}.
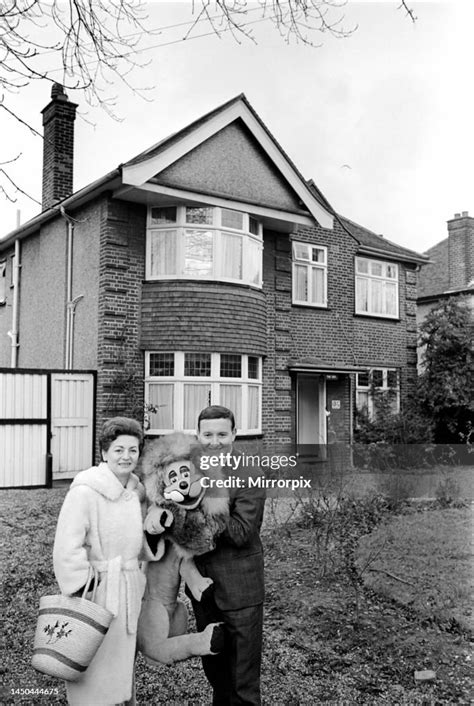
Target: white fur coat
{"points": [[100, 523]]}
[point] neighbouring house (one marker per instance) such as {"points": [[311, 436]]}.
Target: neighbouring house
{"points": [[450, 272], [208, 270]]}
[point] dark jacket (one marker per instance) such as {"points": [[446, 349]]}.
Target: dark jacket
{"points": [[236, 565]]}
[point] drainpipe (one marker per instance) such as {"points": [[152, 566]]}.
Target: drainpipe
{"points": [[14, 333], [69, 245], [71, 307], [70, 302]]}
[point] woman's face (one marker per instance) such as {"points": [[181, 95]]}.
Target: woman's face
{"points": [[122, 456]]}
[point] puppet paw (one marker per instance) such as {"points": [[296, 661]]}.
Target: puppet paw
{"points": [[217, 637], [203, 589], [157, 520]]}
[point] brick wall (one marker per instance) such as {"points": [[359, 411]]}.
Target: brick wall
{"points": [[121, 272], [461, 251]]}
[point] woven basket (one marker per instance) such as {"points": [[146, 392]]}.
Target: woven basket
{"points": [[69, 632]]}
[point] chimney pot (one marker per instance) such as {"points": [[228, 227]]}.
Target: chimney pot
{"points": [[457, 215], [465, 213]]}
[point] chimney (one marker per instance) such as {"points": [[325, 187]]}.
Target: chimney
{"points": [[58, 147], [461, 250]]}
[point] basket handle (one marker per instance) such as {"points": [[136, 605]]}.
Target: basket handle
{"points": [[92, 576]]}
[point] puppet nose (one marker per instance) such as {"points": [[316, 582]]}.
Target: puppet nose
{"points": [[183, 485]]}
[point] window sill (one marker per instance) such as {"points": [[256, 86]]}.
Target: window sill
{"points": [[379, 317], [324, 307]]}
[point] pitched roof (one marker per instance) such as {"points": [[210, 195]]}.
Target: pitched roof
{"points": [[374, 243], [434, 278]]}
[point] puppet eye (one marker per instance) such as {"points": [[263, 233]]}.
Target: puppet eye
{"points": [[184, 471], [172, 475]]}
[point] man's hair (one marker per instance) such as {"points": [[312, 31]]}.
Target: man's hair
{"points": [[215, 411], [115, 427]]}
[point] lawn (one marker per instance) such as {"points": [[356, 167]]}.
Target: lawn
{"points": [[318, 648]]}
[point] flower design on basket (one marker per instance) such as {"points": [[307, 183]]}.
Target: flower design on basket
{"points": [[56, 632]]}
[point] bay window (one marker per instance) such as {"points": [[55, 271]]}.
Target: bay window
{"points": [[376, 285], [201, 242], [178, 385]]}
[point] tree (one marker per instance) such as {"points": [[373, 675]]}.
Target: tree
{"points": [[446, 389], [94, 42]]}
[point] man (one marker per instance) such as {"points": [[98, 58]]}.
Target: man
{"points": [[236, 567]]}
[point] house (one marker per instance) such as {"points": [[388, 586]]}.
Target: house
{"points": [[208, 270], [450, 272]]}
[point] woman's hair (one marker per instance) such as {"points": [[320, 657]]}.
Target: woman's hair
{"points": [[215, 411], [117, 426]]}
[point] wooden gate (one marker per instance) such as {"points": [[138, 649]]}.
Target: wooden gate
{"points": [[46, 425]]}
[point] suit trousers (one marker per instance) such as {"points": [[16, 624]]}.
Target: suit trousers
{"points": [[234, 673]]}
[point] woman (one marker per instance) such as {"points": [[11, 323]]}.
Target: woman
{"points": [[100, 526]]}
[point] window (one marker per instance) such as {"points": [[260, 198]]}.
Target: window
{"points": [[309, 274], [202, 242], [179, 384], [376, 384], [376, 284], [3, 282]]}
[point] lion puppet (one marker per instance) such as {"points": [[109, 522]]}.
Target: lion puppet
{"points": [[189, 516]]}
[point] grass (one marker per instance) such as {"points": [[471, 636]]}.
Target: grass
{"points": [[315, 650]]}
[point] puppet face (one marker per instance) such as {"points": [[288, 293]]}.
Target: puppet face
{"points": [[182, 484]]}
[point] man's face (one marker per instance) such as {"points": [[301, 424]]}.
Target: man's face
{"points": [[216, 435]]}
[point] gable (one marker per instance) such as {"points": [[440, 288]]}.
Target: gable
{"points": [[231, 164]]}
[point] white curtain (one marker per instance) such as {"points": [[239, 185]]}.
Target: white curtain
{"points": [[301, 283], [231, 397], [252, 407], [163, 252], [196, 397], [161, 395], [318, 276], [231, 255]]}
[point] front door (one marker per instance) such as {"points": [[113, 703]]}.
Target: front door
{"points": [[311, 415]]}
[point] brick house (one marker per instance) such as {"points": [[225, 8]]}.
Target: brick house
{"points": [[450, 272], [207, 269]]}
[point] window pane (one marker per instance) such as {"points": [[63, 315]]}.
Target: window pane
{"points": [[252, 407], [198, 255], [232, 219], [199, 215], [392, 378], [390, 298], [163, 252], [253, 367], [231, 256], [231, 366], [376, 269], [161, 364], [317, 276], [362, 266], [197, 364], [377, 378], [376, 294], [318, 255], [362, 379], [253, 262], [231, 397], [196, 397], [301, 283], [254, 226], [392, 271], [362, 294], [300, 251], [163, 215], [161, 396], [362, 401]]}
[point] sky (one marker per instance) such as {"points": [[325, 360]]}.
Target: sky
{"points": [[382, 120]]}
